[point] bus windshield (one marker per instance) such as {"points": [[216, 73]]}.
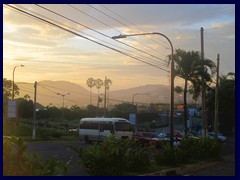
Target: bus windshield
{"points": [[122, 126]]}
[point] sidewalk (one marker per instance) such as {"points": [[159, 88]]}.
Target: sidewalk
{"points": [[226, 167]]}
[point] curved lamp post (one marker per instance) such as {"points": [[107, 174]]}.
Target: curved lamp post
{"points": [[138, 94], [13, 80], [172, 75]]}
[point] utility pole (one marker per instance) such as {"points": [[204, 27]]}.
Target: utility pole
{"points": [[216, 101], [34, 111], [204, 120], [105, 97]]}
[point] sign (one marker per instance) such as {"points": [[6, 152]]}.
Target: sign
{"points": [[132, 119], [12, 109]]}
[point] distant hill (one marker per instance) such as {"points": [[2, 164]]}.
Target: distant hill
{"points": [[143, 94], [47, 94]]}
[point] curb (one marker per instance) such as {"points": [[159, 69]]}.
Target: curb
{"points": [[182, 169]]}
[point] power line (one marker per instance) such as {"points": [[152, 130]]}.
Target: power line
{"points": [[115, 30], [120, 23], [132, 24], [101, 34], [72, 32]]}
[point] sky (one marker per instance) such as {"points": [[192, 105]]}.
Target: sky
{"points": [[50, 53]]}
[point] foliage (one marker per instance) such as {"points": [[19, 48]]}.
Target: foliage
{"points": [[25, 108], [122, 110], [114, 157], [189, 150], [56, 134], [226, 103], [16, 161], [191, 68], [7, 93], [7, 88]]}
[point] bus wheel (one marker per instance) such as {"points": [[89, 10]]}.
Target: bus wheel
{"points": [[86, 140]]}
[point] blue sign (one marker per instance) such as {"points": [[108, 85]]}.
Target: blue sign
{"points": [[132, 119]]}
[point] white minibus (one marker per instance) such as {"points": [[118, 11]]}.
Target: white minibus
{"points": [[98, 129]]}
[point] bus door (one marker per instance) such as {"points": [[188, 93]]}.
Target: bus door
{"points": [[105, 130]]}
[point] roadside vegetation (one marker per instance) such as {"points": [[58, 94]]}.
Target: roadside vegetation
{"points": [[129, 157], [42, 134], [16, 161]]}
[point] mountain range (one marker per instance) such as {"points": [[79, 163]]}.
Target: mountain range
{"points": [[54, 93]]}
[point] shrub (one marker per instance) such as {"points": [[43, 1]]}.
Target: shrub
{"points": [[16, 162], [56, 134], [168, 155], [114, 157], [189, 150]]}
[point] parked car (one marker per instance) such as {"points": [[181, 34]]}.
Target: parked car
{"points": [[180, 135], [164, 136], [221, 138], [147, 138]]}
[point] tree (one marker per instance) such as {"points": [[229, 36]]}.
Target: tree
{"points": [[98, 84], [25, 108], [7, 88], [107, 83], [191, 68], [226, 103], [91, 111], [91, 84], [7, 93], [122, 110]]}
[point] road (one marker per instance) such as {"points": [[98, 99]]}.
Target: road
{"points": [[61, 151]]}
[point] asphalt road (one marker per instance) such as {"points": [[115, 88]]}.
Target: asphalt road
{"points": [[61, 151]]}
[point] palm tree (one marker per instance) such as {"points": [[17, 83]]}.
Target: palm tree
{"points": [[191, 68], [98, 84], [91, 84], [108, 83]]}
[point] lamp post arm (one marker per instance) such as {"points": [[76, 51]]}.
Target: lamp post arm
{"points": [[133, 97], [13, 83]]}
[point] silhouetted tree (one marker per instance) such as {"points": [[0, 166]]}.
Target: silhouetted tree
{"points": [[91, 84], [191, 68]]}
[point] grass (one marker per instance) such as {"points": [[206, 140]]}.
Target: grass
{"points": [[42, 134]]}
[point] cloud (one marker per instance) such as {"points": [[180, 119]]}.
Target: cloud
{"points": [[55, 54]]}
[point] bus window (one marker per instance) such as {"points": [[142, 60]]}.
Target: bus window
{"points": [[122, 126], [89, 125], [108, 126]]}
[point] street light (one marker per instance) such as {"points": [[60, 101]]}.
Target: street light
{"points": [[138, 94], [172, 75], [63, 95], [13, 80]]}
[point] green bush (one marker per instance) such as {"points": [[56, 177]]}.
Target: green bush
{"points": [[188, 151], [114, 157], [16, 162], [209, 148], [56, 134], [167, 156]]}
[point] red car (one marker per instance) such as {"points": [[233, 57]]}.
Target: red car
{"points": [[147, 138], [179, 135]]}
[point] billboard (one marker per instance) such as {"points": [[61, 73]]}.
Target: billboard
{"points": [[12, 109]]}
